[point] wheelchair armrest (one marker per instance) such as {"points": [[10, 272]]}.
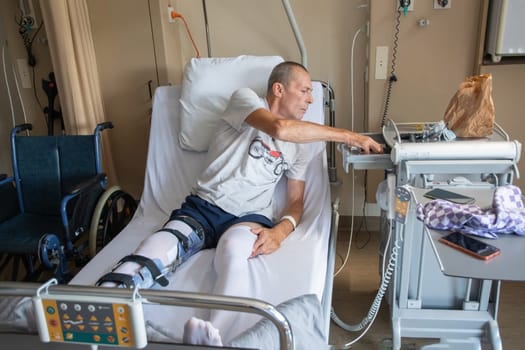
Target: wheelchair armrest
{"points": [[82, 186], [4, 179]]}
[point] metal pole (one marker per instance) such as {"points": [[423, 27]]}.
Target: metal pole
{"points": [[296, 32], [206, 27]]}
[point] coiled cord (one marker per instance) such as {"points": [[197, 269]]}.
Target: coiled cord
{"points": [[393, 77], [374, 308]]}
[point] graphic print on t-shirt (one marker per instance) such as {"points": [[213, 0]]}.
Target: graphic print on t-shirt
{"points": [[272, 158]]}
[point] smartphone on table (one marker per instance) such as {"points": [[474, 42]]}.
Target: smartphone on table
{"points": [[439, 193], [471, 246]]}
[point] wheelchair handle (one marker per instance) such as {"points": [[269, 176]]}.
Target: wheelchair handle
{"points": [[104, 125], [22, 127], [98, 129]]}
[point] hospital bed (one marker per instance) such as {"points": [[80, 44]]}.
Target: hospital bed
{"points": [[303, 266]]}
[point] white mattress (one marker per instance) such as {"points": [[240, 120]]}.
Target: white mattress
{"points": [[297, 268]]}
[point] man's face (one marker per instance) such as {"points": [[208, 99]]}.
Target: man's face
{"points": [[297, 95]]}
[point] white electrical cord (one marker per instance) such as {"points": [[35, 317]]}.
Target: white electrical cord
{"points": [[356, 34], [19, 95], [386, 273], [7, 84], [345, 260]]}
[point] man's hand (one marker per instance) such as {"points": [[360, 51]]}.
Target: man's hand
{"points": [[367, 144], [268, 240]]}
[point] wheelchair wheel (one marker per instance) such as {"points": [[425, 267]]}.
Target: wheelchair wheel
{"points": [[114, 210], [49, 251]]}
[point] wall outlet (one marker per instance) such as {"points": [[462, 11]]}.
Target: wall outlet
{"points": [[381, 62], [171, 14], [28, 12], [399, 5], [442, 4]]}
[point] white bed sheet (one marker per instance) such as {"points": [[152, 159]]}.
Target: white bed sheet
{"points": [[297, 268]]}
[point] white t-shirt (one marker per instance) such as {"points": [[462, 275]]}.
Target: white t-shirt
{"points": [[245, 164]]}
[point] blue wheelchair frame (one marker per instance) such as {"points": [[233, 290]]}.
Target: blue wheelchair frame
{"points": [[46, 233]]}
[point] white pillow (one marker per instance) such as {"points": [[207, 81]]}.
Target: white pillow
{"points": [[207, 86]]}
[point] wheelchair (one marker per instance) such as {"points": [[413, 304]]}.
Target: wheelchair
{"points": [[55, 210]]}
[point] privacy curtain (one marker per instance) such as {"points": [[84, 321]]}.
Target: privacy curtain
{"points": [[73, 55]]}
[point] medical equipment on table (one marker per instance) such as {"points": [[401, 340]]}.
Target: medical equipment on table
{"points": [[424, 302]]}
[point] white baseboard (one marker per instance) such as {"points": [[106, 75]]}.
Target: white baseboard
{"points": [[372, 209]]}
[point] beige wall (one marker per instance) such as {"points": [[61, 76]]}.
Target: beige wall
{"points": [[431, 61]]}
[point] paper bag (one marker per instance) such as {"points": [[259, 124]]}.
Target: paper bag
{"points": [[470, 112]]}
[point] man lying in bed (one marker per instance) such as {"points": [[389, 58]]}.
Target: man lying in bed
{"points": [[259, 141]]}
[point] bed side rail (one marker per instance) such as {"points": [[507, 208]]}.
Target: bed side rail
{"points": [[329, 279], [329, 104], [161, 297]]}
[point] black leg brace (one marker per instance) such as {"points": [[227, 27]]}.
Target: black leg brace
{"points": [[127, 280], [158, 276]]}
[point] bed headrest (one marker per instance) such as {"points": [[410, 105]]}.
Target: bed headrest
{"points": [[207, 87]]}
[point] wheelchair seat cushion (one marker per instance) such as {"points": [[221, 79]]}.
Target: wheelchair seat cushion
{"points": [[23, 232], [9, 203]]}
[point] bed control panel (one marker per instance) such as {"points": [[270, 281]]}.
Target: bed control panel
{"points": [[90, 320]]}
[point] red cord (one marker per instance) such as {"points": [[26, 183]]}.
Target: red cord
{"points": [[175, 15], [198, 55]]}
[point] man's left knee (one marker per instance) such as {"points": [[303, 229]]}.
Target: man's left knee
{"points": [[238, 239]]}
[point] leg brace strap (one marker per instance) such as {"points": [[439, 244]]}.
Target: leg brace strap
{"points": [[191, 222], [188, 245], [182, 238], [156, 273], [122, 279], [130, 281]]}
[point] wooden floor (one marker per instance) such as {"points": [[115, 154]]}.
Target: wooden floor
{"points": [[356, 286]]}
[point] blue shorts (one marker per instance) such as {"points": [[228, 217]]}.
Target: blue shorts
{"points": [[213, 219]]}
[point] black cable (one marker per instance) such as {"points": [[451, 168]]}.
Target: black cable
{"points": [[34, 88], [36, 32], [393, 77]]}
